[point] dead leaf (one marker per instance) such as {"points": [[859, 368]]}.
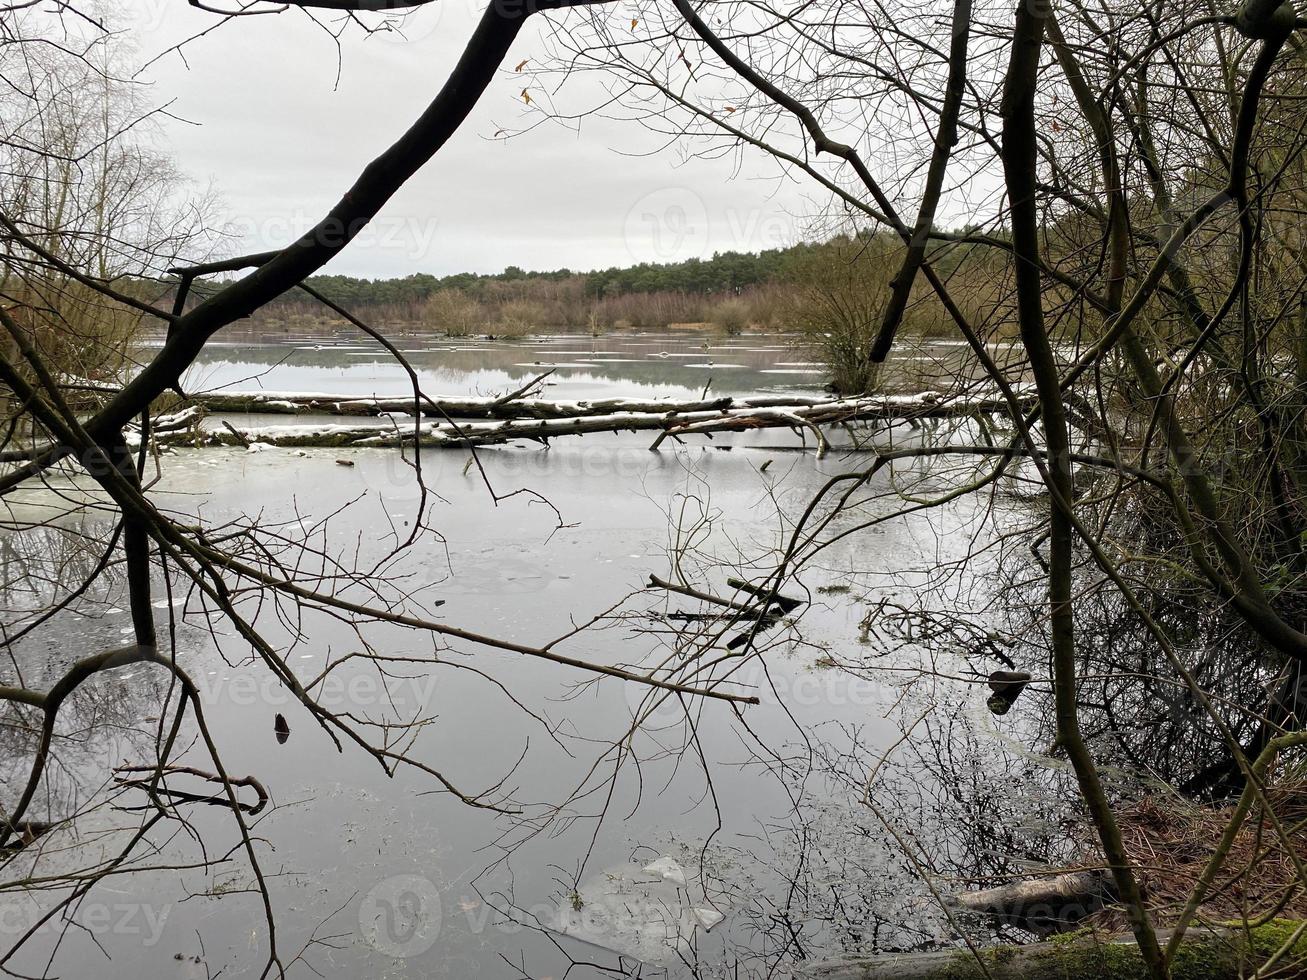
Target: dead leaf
{"points": [[281, 729], [730, 109], [521, 64], [526, 96], [634, 21]]}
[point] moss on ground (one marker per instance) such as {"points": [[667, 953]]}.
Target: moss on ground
{"points": [[1202, 956]]}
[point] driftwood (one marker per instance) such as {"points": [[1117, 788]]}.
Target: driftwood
{"points": [[1043, 905], [1204, 954], [146, 777], [660, 583], [506, 407], [787, 603], [765, 616], [187, 418], [1007, 686], [23, 833], [540, 423]]}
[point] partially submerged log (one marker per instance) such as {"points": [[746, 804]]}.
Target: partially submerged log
{"points": [[318, 403], [1043, 905], [187, 418], [678, 420], [1204, 954], [923, 404], [765, 615], [787, 603], [1007, 686]]}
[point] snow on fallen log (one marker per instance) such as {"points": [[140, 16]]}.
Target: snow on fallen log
{"points": [[318, 403], [177, 421], [177, 426], [512, 407], [744, 415]]}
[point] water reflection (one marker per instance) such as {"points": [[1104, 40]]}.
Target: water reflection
{"points": [[374, 875], [650, 365], [673, 365]]}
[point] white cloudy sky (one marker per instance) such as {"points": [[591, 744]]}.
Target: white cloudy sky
{"points": [[280, 139]]}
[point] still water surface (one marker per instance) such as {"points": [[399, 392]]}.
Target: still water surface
{"points": [[379, 876]]}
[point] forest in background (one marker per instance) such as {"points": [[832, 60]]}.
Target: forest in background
{"points": [[1147, 246], [839, 285]]}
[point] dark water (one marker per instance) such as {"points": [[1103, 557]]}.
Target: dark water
{"points": [[377, 875]]}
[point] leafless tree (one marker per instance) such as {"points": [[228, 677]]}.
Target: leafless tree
{"points": [[1136, 173]]}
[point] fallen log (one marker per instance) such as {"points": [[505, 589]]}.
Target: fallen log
{"points": [[1220, 953], [923, 404], [660, 583], [317, 403], [183, 426], [766, 616], [1043, 905], [175, 422], [787, 603], [675, 423]]}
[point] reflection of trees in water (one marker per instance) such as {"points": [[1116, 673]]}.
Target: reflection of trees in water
{"points": [[1135, 705], [109, 718], [861, 870], [950, 807], [101, 723], [41, 563], [733, 365], [1135, 708]]}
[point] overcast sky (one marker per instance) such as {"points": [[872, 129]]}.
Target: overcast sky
{"points": [[280, 139]]}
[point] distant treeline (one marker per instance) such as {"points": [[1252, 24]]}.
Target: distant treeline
{"points": [[731, 290], [725, 272]]}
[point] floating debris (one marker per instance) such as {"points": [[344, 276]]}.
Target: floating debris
{"points": [[650, 913], [667, 869], [1007, 686]]}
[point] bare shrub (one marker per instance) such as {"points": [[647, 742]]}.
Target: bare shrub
{"points": [[837, 293], [454, 312], [731, 316]]}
